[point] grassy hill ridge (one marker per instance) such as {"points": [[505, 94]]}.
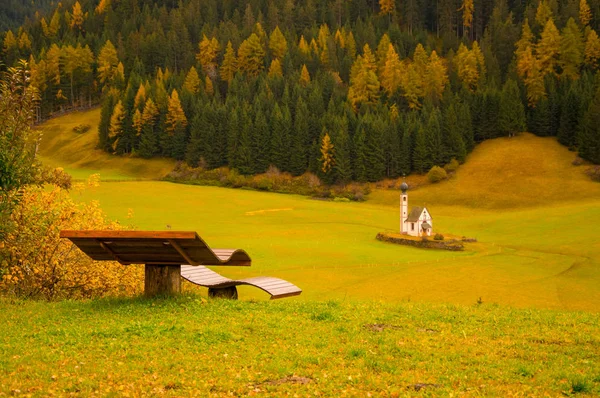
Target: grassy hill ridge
{"points": [[77, 153]]}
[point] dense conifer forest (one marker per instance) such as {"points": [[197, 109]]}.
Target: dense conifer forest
{"points": [[347, 89]]}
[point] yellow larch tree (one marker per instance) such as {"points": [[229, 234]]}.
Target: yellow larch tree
{"points": [[53, 62], [54, 25], [251, 56], [391, 76], [476, 50], [277, 43], [420, 59], [351, 45], [368, 59], [340, 38], [304, 76], [116, 123], [364, 84], [323, 36], [585, 14], [275, 68], [525, 41], [327, 154], [38, 74], [208, 86], [192, 81], [24, 41], [381, 53], [467, 15], [303, 46], [140, 96], [150, 112], [10, 41], [102, 6], [436, 77], [207, 56], [548, 48], [412, 85], [466, 65], [229, 66], [592, 49], [137, 122], [387, 7], [108, 62], [77, 17], [175, 116], [543, 13]]}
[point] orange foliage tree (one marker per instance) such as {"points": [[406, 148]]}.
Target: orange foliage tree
{"points": [[38, 264]]}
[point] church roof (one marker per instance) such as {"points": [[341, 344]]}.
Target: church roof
{"points": [[414, 215], [426, 225]]}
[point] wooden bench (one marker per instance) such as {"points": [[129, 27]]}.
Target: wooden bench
{"points": [[171, 255]]}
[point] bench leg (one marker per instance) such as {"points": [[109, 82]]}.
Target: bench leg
{"points": [[224, 292], [164, 280]]}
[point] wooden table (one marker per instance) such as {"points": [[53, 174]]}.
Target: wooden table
{"points": [[162, 252]]}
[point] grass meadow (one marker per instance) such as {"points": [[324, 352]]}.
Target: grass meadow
{"points": [[77, 153], [191, 347], [515, 314]]}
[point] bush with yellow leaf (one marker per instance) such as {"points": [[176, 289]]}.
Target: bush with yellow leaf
{"points": [[37, 263]]}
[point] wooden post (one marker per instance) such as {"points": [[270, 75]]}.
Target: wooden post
{"points": [[162, 280]]}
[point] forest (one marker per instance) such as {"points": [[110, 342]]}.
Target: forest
{"points": [[350, 90]]}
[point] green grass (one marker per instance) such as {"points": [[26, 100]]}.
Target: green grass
{"points": [[77, 153], [525, 258], [193, 347], [515, 314], [535, 216]]}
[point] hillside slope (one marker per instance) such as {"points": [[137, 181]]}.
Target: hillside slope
{"points": [[523, 171], [76, 152]]}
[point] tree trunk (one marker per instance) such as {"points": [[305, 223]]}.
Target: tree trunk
{"points": [[164, 280]]}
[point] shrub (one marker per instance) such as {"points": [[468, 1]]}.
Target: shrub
{"points": [[438, 237], [82, 128], [436, 174], [594, 173], [452, 166], [577, 161], [37, 263]]}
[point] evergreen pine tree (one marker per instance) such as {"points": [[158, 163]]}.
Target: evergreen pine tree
{"points": [[570, 117], [245, 153], [374, 155], [436, 153], [420, 161], [359, 153], [299, 139], [512, 112], [260, 142], [589, 134]]}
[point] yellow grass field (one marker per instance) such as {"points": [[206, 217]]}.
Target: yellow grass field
{"points": [[77, 153], [535, 215]]}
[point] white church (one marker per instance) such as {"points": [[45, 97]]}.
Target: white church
{"points": [[418, 222]]}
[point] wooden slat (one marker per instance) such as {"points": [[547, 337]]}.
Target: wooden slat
{"points": [[277, 288], [188, 260], [148, 247], [129, 234]]}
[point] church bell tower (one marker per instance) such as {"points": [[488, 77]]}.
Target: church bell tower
{"points": [[403, 207]]}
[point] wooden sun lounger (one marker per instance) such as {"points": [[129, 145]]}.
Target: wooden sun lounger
{"points": [[200, 275], [169, 256]]}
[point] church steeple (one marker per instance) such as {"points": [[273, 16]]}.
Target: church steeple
{"points": [[403, 207]]}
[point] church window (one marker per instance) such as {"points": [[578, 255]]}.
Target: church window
{"points": [[412, 226], [404, 198]]}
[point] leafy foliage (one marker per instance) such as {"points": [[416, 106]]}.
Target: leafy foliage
{"points": [[39, 264]]}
